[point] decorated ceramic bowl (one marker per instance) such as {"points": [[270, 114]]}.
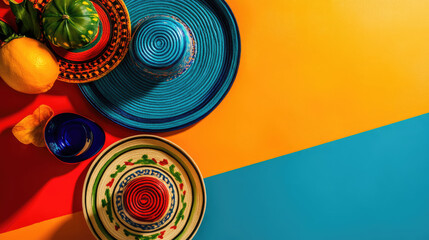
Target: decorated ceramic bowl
{"points": [[183, 59], [144, 187], [104, 54]]}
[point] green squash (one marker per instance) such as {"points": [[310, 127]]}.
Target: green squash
{"points": [[70, 24]]}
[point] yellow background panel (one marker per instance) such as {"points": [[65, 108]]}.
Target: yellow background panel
{"points": [[69, 227], [312, 72]]}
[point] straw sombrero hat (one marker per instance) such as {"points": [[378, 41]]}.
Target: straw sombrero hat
{"points": [[104, 53], [183, 59], [144, 187]]}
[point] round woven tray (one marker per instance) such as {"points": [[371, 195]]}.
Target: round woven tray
{"points": [[144, 187], [104, 53], [144, 92]]}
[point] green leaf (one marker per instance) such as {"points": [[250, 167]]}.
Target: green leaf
{"points": [[176, 175], [27, 18], [181, 214], [6, 32], [145, 161], [141, 237], [107, 203]]}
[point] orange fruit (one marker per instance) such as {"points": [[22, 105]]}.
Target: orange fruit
{"points": [[28, 66]]}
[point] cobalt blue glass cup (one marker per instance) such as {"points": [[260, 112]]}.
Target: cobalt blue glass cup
{"points": [[73, 138]]}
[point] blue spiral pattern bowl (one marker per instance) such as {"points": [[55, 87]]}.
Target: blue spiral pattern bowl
{"points": [[163, 47], [182, 61]]}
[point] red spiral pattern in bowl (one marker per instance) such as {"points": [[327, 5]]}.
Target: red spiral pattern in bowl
{"points": [[146, 199]]}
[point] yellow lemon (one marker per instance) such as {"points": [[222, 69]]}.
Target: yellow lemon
{"points": [[28, 66]]}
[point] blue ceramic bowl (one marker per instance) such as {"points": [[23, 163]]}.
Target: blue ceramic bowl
{"points": [[162, 48], [73, 138], [183, 59]]}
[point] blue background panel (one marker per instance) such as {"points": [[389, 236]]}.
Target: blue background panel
{"points": [[374, 185]]}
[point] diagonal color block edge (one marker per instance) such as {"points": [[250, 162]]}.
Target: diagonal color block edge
{"points": [[372, 185]]}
